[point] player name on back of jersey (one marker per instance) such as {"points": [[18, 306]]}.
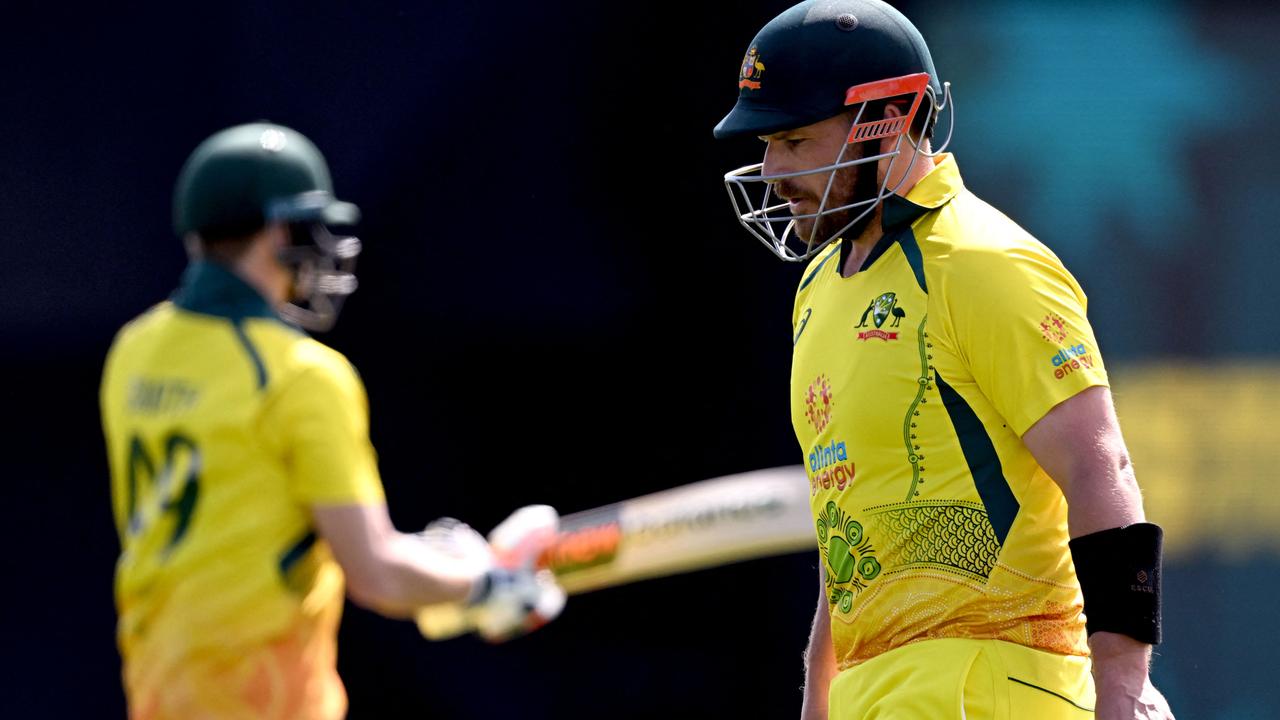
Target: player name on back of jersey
{"points": [[157, 396], [1070, 359]]}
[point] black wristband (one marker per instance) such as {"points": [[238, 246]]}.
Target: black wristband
{"points": [[1119, 572]]}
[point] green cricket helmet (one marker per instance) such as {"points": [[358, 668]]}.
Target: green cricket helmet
{"points": [[245, 177], [816, 60]]}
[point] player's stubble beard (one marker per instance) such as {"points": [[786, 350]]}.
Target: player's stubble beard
{"points": [[859, 183]]}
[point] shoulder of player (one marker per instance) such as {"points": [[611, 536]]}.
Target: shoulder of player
{"points": [[295, 355], [972, 243], [294, 351], [139, 327]]}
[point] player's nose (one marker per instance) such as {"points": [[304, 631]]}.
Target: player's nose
{"points": [[773, 164]]}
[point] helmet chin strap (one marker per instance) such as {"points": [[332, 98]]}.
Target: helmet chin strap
{"points": [[936, 108]]}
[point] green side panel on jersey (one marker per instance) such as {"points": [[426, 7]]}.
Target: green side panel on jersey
{"points": [[984, 463], [297, 551]]}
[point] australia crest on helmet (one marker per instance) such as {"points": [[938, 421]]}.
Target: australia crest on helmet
{"points": [[752, 69]]}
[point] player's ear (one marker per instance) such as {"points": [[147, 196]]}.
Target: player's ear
{"points": [[194, 247], [276, 237], [889, 144]]}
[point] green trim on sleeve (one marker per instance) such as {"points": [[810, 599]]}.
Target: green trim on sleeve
{"points": [[296, 552]]}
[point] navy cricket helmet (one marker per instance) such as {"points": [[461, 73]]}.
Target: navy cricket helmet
{"points": [[817, 60], [245, 177]]}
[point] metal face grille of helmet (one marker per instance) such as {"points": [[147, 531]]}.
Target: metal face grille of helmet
{"points": [[324, 274]]}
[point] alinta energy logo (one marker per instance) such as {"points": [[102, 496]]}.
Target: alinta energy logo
{"points": [[1070, 359], [848, 556], [818, 401], [752, 69], [830, 467], [878, 311]]}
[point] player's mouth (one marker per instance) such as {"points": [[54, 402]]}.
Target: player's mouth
{"points": [[798, 202], [796, 205]]}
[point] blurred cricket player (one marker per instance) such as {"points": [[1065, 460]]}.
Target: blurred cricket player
{"points": [[983, 539], [245, 489]]}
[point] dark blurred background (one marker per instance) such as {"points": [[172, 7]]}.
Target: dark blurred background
{"points": [[558, 306]]}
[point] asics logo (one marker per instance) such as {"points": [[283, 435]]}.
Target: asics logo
{"points": [[804, 321]]}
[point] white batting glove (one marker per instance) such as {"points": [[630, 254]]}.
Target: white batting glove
{"points": [[457, 549], [516, 597]]}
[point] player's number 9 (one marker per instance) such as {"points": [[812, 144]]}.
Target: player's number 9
{"points": [[171, 489]]}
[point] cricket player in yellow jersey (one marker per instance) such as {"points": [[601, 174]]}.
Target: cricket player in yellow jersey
{"points": [[245, 488], [982, 535]]}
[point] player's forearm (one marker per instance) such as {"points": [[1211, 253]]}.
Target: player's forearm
{"points": [[406, 578], [1119, 658], [1102, 495], [391, 572], [819, 664], [817, 684], [1108, 497], [1120, 669]]}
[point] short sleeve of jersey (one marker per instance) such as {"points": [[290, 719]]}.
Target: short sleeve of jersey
{"points": [[324, 418], [1017, 318]]}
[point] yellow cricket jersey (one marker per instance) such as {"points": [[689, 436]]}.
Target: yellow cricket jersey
{"points": [[912, 383], [224, 426]]}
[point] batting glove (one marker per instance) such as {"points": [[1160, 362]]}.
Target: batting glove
{"points": [[454, 546], [516, 597]]}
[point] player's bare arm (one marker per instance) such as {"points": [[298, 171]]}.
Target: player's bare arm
{"points": [[819, 660], [492, 584], [1079, 444], [389, 571]]}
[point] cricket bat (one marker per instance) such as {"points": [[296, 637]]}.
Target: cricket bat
{"points": [[704, 524]]}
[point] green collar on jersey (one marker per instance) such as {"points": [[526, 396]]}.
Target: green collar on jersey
{"points": [[898, 214], [899, 211], [212, 289]]}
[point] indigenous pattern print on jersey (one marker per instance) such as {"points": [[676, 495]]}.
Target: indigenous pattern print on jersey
{"points": [[224, 426], [912, 383]]}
